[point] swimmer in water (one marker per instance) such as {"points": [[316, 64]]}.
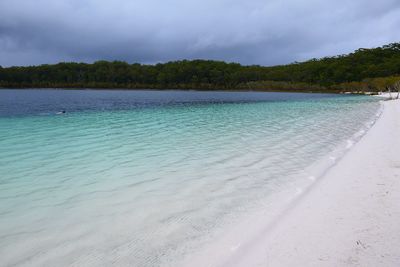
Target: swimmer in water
{"points": [[61, 112]]}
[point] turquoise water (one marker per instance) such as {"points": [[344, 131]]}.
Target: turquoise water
{"points": [[136, 178]]}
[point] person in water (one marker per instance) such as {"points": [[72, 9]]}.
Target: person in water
{"points": [[61, 112]]}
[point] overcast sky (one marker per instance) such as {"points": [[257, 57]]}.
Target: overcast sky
{"points": [[264, 32]]}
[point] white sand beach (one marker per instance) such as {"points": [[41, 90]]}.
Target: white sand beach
{"points": [[349, 217]]}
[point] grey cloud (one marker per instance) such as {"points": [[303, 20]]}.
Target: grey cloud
{"points": [[262, 32]]}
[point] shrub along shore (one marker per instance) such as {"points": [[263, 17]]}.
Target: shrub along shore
{"points": [[364, 70]]}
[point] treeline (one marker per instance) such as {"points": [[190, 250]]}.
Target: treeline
{"points": [[364, 69]]}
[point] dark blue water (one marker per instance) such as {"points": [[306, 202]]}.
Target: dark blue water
{"points": [[44, 101]]}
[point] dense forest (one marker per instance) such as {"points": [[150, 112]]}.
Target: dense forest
{"points": [[363, 70]]}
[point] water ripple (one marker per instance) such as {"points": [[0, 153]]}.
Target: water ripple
{"points": [[137, 185]]}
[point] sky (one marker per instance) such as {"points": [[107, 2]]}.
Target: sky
{"points": [[263, 32]]}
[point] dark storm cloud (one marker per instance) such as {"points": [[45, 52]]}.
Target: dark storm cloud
{"points": [[251, 32]]}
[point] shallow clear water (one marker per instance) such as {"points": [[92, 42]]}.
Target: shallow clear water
{"points": [[134, 178]]}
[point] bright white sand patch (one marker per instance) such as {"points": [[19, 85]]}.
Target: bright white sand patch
{"points": [[351, 217]]}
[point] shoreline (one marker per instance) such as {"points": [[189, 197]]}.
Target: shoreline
{"points": [[221, 90], [348, 217], [183, 90]]}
